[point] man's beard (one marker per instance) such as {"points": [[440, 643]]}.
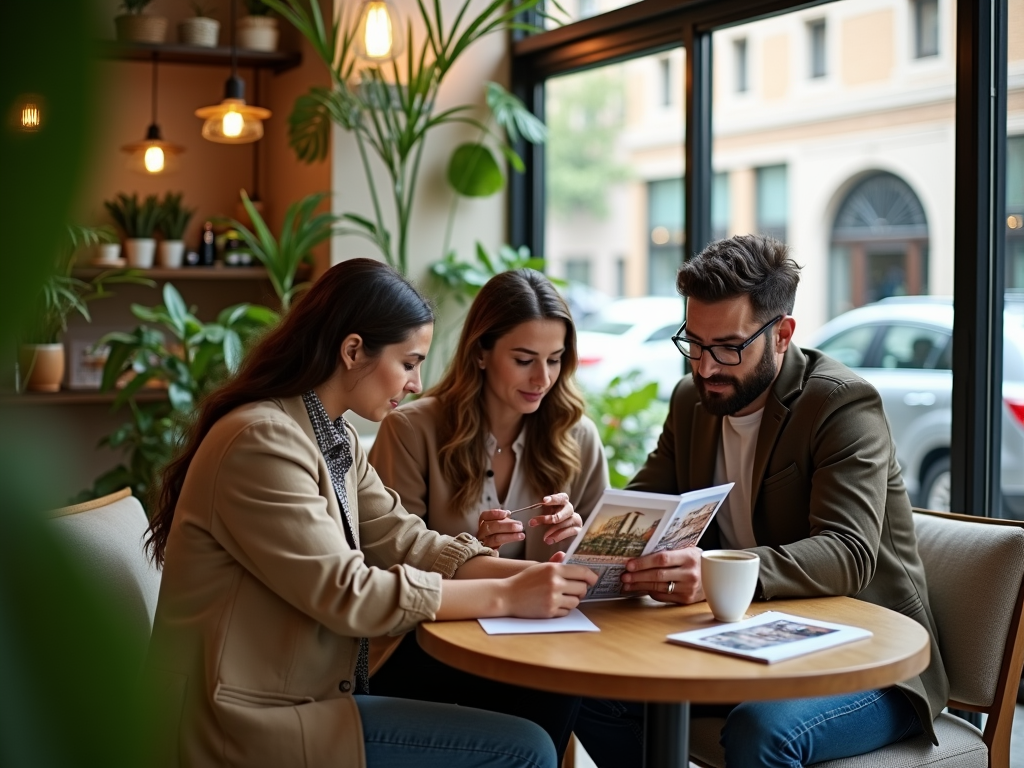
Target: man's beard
{"points": [[745, 391]]}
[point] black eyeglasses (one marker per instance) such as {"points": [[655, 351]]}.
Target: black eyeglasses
{"points": [[724, 354]]}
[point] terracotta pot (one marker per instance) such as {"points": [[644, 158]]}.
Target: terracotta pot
{"points": [[171, 253], [41, 366], [141, 28], [199, 31], [257, 33], [140, 252]]}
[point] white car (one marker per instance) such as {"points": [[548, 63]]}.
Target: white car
{"points": [[904, 347], [630, 334]]}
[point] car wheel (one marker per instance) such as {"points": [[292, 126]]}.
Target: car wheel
{"points": [[935, 488]]}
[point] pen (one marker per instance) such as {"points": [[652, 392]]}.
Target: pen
{"points": [[523, 509]]}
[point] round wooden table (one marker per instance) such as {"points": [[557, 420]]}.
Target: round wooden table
{"points": [[631, 659]]}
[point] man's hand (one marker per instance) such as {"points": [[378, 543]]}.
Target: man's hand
{"points": [[671, 577]]}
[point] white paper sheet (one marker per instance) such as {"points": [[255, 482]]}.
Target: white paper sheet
{"points": [[575, 621]]}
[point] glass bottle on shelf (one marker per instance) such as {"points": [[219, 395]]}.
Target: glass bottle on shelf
{"points": [[207, 246]]}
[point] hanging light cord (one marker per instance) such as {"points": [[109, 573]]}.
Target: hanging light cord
{"points": [[154, 90], [234, 48]]}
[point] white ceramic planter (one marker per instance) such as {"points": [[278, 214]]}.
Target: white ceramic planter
{"points": [[172, 252], [141, 28], [41, 367], [257, 33], [199, 31], [108, 255], [140, 252]]}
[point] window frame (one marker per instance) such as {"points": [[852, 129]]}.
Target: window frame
{"points": [[651, 26]]}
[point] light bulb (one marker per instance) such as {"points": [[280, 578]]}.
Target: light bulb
{"points": [[154, 159], [232, 124], [378, 36], [30, 119]]}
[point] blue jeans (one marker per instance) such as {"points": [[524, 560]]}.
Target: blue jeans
{"points": [[399, 733], [762, 734]]}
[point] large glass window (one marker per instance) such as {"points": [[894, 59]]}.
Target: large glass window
{"points": [[926, 28], [855, 172], [1012, 450], [614, 181]]}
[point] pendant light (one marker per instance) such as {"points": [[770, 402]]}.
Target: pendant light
{"points": [[153, 155], [378, 38], [233, 121]]}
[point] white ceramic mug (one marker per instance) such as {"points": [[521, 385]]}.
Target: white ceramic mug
{"points": [[729, 578]]}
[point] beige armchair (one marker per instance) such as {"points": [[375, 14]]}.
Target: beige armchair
{"points": [[975, 570]]}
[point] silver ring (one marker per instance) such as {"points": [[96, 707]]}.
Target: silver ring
{"points": [[671, 587]]}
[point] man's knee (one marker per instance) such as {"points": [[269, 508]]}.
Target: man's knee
{"points": [[752, 737]]}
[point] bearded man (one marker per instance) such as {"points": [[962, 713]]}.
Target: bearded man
{"points": [[818, 497]]}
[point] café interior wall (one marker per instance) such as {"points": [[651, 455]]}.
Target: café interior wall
{"points": [[210, 175], [482, 219]]}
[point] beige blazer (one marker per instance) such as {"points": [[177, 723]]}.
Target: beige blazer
{"points": [[262, 602], [405, 453], [829, 510]]}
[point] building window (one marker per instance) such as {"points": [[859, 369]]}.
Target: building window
{"points": [[665, 214], [926, 28], [620, 276], [739, 50], [665, 80], [772, 201], [578, 270], [879, 244], [816, 47], [1015, 213], [719, 206]]}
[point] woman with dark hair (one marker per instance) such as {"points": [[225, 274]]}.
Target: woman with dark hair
{"points": [[504, 428], [281, 549]]}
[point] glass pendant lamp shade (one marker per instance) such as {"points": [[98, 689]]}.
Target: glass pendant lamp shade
{"points": [[153, 155], [233, 121], [379, 37]]}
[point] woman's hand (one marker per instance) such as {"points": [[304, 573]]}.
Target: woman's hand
{"points": [[562, 520], [495, 528], [546, 590]]}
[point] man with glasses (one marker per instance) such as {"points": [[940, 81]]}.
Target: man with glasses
{"points": [[818, 497]]}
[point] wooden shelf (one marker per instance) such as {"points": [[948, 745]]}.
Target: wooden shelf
{"points": [[77, 397], [188, 273], [174, 53]]}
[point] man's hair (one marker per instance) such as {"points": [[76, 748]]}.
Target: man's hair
{"points": [[756, 265]]}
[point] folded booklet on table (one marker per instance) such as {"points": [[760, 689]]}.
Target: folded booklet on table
{"points": [[628, 524], [771, 636]]}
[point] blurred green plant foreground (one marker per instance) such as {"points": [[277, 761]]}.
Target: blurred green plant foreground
{"points": [[66, 698]]}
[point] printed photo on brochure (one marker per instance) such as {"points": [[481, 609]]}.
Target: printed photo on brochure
{"points": [[628, 524]]}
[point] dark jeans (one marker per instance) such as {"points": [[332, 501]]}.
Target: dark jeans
{"points": [[762, 734], [411, 673]]}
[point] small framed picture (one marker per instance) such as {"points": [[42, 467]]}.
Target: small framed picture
{"points": [[85, 361]]}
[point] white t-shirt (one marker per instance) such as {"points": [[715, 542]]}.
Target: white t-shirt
{"points": [[735, 464]]}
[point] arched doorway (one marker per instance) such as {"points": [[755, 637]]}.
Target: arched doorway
{"points": [[879, 244]]}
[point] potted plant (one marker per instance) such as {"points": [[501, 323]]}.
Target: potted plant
{"points": [[200, 30], [257, 31], [138, 223], [137, 27], [174, 219], [301, 232], [41, 358]]}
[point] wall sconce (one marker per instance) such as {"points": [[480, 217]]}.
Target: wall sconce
{"points": [[27, 114], [153, 155]]}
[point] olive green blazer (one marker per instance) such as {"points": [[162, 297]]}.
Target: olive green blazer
{"points": [[262, 601], [829, 509]]}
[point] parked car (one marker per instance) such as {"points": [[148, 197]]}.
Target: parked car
{"points": [[630, 334], [903, 346]]}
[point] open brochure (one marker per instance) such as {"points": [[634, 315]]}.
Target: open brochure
{"points": [[628, 524], [771, 636]]}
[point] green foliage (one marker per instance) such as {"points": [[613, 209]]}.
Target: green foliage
{"points": [[62, 294], [136, 221], [473, 171], [629, 417], [390, 110], [184, 354], [134, 6], [462, 280], [301, 232], [174, 217], [585, 116]]}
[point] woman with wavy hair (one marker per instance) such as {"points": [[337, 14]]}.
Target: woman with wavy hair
{"points": [[282, 549], [504, 429]]}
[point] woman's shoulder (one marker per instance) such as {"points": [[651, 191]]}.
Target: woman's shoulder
{"points": [[423, 411], [254, 419], [585, 431]]}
